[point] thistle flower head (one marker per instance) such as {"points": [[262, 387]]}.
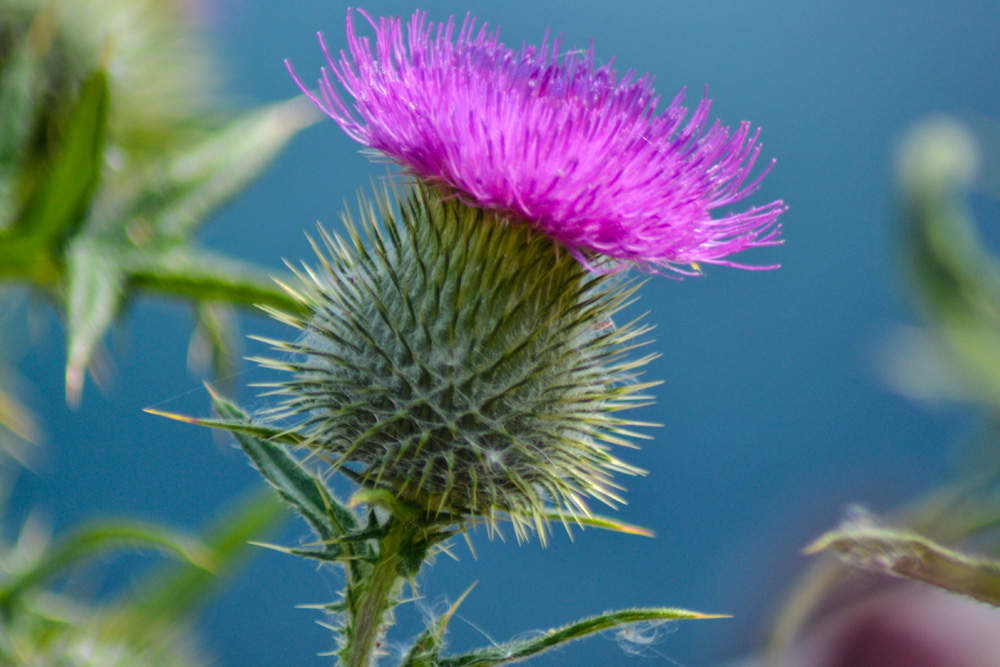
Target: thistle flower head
{"points": [[462, 363], [553, 140]]}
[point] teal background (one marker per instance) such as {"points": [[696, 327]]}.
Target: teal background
{"points": [[775, 415]]}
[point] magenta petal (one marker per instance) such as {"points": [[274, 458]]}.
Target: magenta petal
{"points": [[572, 149]]}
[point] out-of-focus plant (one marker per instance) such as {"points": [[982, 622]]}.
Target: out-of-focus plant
{"points": [[19, 428], [146, 626], [113, 152], [955, 282], [112, 155]]}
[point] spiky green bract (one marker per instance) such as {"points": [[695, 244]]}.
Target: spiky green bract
{"points": [[462, 362]]}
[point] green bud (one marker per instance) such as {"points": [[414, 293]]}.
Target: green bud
{"points": [[462, 362]]}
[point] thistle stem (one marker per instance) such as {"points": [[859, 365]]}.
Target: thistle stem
{"points": [[376, 599]]}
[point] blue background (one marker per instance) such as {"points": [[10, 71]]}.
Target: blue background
{"points": [[775, 416]]}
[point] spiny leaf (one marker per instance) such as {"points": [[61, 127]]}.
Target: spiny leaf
{"points": [[235, 426], [296, 486], [330, 553], [912, 556], [603, 522], [515, 651]]}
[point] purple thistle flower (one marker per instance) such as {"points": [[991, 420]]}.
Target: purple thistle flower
{"points": [[571, 149]]}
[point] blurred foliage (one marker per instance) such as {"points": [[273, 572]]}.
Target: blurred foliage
{"points": [[145, 626], [955, 282], [19, 428], [866, 545], [113, 152], [112, 155]]}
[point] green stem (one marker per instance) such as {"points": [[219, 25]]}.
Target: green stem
{"points": [[376, 599]]}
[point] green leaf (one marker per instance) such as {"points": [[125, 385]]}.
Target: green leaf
{"points": [[517, 650], [96, 288], [102, 537], [236, 426], [331, 552], [17, 97], [905, 554], [59, 206], [203, 178], [204, 277], [294, 484], [22, 258], [172, 593]]}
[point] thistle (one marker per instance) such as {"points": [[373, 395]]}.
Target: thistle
{"points": [[461, 362], [456, 355]]}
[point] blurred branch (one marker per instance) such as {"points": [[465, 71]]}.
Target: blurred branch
{"points": [[912, 556]]}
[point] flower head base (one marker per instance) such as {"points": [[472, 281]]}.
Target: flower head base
{"points": [[457, 361], [565, 146]]}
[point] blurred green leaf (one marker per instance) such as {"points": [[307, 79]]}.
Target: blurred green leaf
{"points": [[946, 514], [133, 162], [905, 554], [17, 418], [59, 206], [96, 289], [201, 179], [100, 538], [18, 91], [17, 96], [203, 276], [21, 258], [957, 281], [102, 273], [169, 595]]}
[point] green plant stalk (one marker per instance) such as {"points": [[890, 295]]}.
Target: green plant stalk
{"points": [[378, 597]]}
